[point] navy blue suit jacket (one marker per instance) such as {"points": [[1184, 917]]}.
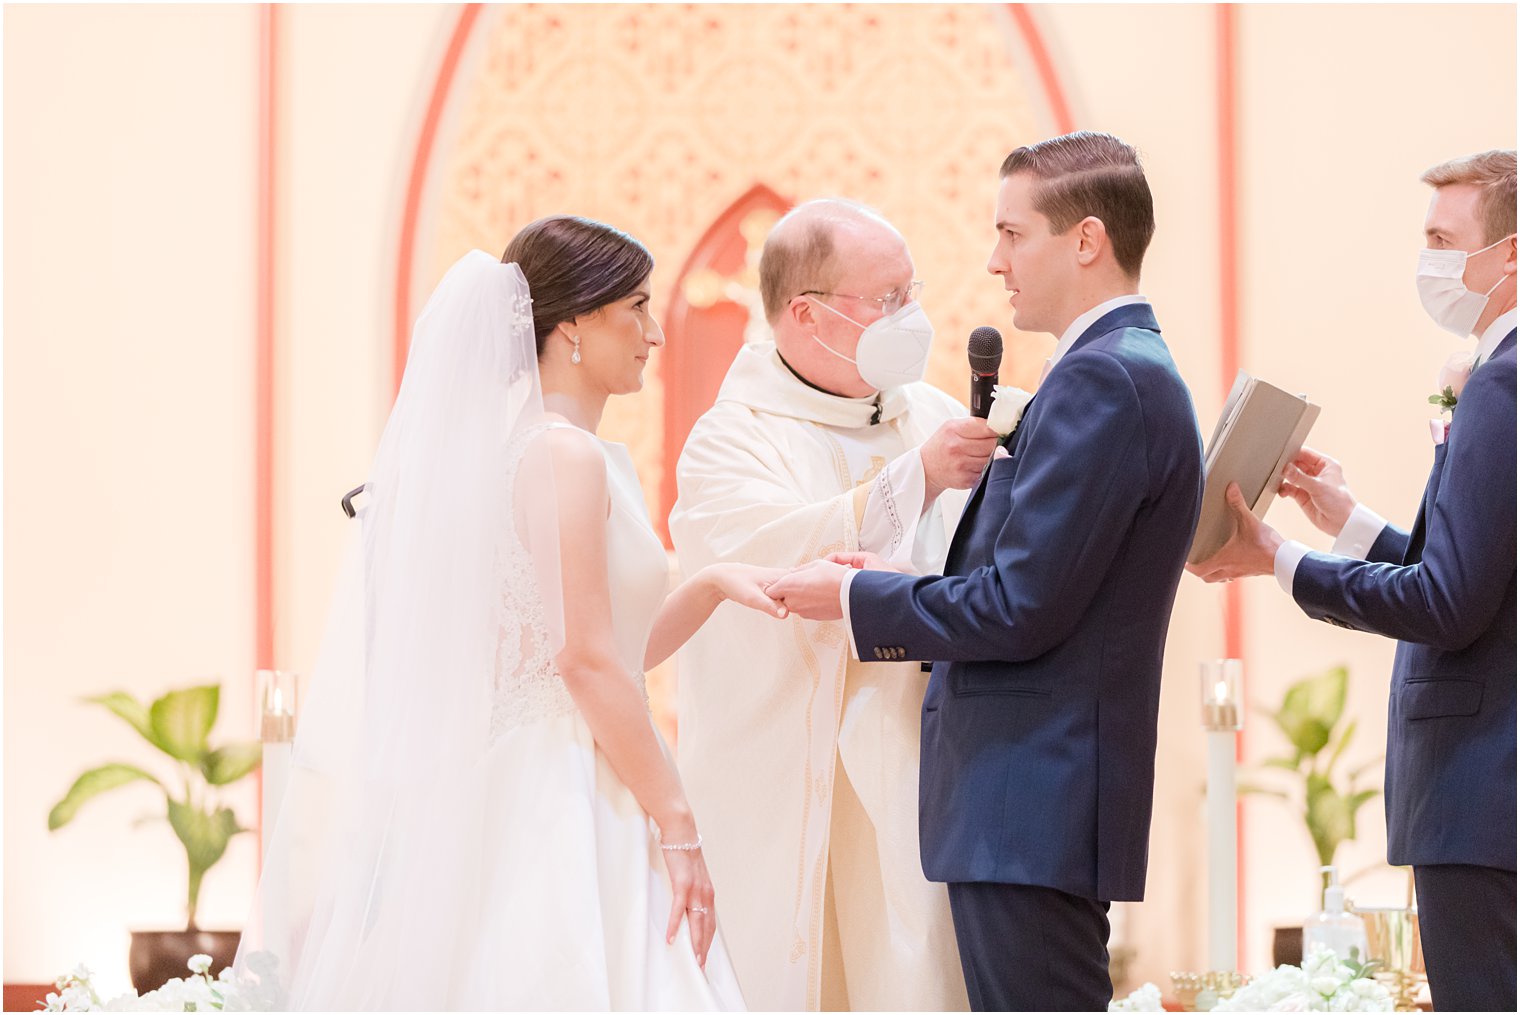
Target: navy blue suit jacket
{"points": [[1446, 591], [1039, 723]]}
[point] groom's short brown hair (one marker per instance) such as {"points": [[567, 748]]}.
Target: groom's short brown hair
{"points": [[1091, 174]]}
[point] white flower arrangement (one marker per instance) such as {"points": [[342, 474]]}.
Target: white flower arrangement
{"points": [[199, 992], [1147, 998], [1322, 983]]}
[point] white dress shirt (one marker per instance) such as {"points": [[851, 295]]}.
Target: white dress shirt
{"points": [[1363, 527], [1069, 337]]}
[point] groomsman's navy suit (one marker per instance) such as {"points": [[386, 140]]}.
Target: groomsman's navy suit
{"points": [[1039, 723], [1446, 591]]}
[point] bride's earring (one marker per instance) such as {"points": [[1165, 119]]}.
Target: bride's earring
{"points": [[575, 357]]}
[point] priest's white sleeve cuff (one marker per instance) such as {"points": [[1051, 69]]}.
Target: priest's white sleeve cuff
{"points": [[844, 606], [889, 522], [1359, 533], [1285, 564]]}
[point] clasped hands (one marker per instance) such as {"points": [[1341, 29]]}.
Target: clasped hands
{"points": [[810, 591], [1313, 480]]}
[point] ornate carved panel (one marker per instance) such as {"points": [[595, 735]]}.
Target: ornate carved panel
{"points": [[659, 118]]}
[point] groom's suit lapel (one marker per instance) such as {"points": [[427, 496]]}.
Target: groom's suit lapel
{"points": [[1134, 315]]}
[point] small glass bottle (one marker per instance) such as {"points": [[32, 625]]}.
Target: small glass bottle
{"points": [[1333, 926]]}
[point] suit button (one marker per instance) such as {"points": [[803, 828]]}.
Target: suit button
{"points": [[878, 653]]}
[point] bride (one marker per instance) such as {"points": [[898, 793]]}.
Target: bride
{"points": [[481, 814]]}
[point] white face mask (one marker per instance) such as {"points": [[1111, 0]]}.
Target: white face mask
{"points": [[1449, 303], [893, 350]]}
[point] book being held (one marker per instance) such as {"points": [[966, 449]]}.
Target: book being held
{"points": [[1259, 431]]}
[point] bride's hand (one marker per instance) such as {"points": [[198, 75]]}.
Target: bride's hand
{"points": [[691, 893], [746, 585]]}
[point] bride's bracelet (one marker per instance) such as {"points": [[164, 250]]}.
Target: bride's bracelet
{"points": [[685, 847]]}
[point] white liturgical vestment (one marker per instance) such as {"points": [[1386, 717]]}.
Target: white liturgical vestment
{"points": [[800, 763]]}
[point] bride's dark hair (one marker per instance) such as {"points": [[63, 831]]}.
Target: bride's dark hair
{"points": [[574, 266]]}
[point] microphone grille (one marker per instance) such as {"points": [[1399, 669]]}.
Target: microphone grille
{"points": [[985, 350]]}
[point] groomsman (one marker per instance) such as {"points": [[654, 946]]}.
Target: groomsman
{"points": [[1446, 590]]}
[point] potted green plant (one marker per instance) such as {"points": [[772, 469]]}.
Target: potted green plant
{"points": [[1310, 717], [178, 725]]}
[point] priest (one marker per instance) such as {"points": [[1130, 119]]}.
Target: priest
{"points": [[802, 764]]}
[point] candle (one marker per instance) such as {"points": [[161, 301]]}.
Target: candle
{"points": [[277, 730], [1220, 681], [278, 690]]}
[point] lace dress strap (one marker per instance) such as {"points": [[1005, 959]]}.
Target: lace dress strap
{"points": [[527, 685]]}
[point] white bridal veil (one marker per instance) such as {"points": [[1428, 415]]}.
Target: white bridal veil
{"points": [[368, 897]]}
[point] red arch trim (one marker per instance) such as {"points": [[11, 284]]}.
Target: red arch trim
{"points": [[417, 178], [1225, 32], [263, 397], [1044, 67]]}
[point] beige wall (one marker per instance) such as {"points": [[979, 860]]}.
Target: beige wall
{"points": [[130, 156], [129, 165], [130, 140]]}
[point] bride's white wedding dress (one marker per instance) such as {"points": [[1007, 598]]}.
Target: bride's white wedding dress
{"points": [[450, 836], [577, 899]]}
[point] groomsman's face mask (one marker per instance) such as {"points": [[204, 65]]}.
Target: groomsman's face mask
{"points": [[1442, 275]]}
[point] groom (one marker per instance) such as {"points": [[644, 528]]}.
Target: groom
{"points": [[1047, 628]]}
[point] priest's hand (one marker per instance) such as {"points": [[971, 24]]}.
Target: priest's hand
{"points": [[1251, 550], [863, 561], [812, 591], [955, 455], [1317, 483]]}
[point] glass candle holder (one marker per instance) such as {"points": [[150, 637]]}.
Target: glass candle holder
{"points": [[1219, 687], [278, 696]]}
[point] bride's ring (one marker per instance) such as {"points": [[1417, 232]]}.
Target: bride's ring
{"points": [[697, 909]]}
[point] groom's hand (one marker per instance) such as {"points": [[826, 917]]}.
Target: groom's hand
{"points": [[812, 591], [863, 561]]}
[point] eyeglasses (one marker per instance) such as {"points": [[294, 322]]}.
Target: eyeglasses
{"points": [[891, 303]]}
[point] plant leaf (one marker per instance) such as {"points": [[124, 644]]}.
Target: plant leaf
{"points": [[1251, 789], [204, 835], [231, 763], [182, 720], [1288, 763], [129, 709], [1340, 747], [90, 785], [1311, 708]]}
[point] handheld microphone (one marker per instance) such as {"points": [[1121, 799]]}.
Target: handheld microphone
{"points": [[985, 352]]}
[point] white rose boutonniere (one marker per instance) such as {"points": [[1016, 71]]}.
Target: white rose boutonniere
{"points": [[1008, 405]]}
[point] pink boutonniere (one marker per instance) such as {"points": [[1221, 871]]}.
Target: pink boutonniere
{"points": [[1449, 384]]}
